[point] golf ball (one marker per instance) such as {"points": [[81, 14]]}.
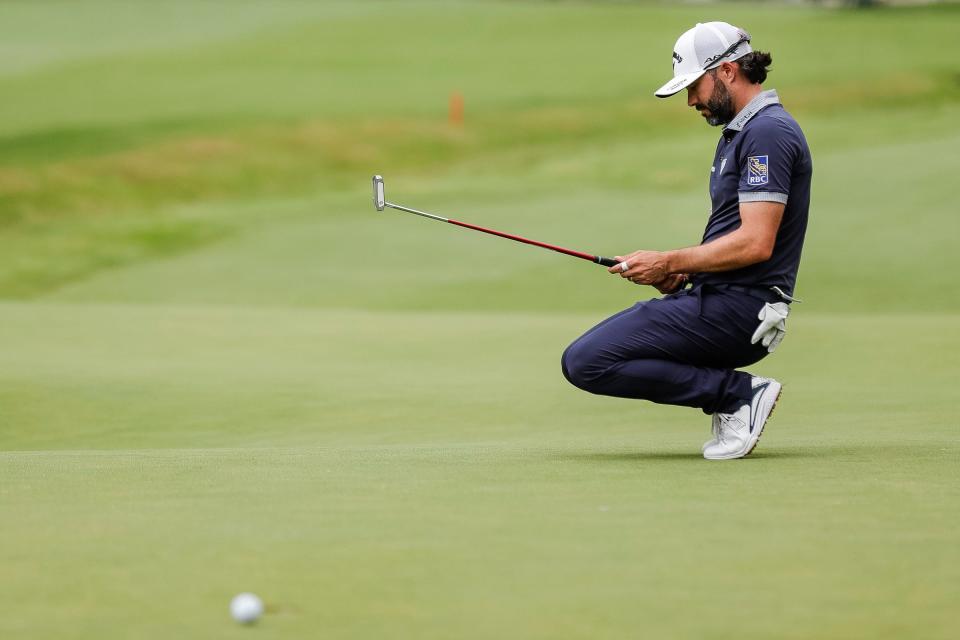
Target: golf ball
{"points": [[246, 608]]}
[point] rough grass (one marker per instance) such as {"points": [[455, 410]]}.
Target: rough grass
{"points": [[75, 173], [296, 100]]}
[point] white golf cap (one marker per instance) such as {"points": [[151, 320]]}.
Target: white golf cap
{"points": [[702, 48]]}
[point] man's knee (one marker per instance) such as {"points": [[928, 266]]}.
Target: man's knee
{"points": [[582, 367], [586, 367]]}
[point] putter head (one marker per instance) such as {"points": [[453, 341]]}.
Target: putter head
{"points": [[378, 200]]}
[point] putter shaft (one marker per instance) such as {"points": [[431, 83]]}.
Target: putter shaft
{"points": [[380, 203]]}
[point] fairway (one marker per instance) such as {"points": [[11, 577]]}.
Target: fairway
{"points": [[224, 371]]}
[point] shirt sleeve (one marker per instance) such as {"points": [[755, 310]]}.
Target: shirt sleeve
{"points": [[767, 158]]}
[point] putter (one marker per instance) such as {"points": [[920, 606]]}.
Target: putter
{"points": [[380, 202]]}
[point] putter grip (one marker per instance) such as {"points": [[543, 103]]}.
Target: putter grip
{"points": [[607, 262]]}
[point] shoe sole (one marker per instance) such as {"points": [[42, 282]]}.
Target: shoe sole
{"points": [[759, 431]]}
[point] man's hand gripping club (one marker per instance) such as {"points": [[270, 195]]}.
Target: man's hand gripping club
{"points": [[649, 267]]}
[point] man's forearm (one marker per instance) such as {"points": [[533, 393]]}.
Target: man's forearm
{"points": [[726, 253], [751, 243]]}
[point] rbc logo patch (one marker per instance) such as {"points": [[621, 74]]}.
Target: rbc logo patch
{"points": [[757, 170]]}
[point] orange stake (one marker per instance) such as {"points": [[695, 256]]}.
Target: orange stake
{"points": [[456, 109]]}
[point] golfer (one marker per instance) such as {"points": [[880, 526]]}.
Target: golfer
{"points": [[685, 348]]}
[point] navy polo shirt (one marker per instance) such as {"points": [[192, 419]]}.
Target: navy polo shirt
{"points": [[762, 156]]}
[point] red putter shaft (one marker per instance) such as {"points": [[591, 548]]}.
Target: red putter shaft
{"points": [[379, 201], [570, 252], [607, 262]]}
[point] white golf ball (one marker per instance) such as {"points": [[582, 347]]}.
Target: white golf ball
{"points": [[246, 608]]}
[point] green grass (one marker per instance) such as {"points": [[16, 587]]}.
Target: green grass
{"points": [[222, 371], [189, 452]]}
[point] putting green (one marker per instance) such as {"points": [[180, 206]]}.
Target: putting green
{"points": [[222, 371], [175, 455]]}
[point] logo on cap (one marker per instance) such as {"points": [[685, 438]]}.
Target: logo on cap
{"points": [[676, 56]]}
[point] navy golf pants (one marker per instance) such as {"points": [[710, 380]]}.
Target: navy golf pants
{"points": [[681, 349]]}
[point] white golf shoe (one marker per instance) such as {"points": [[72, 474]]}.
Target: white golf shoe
{"points": [[737, 433]]}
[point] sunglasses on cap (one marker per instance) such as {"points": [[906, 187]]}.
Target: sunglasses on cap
{"points": [[730, 49]]}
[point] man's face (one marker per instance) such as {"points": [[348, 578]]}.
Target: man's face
{"points": [[710, 97]]}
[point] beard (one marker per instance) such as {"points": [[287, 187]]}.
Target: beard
{"points": [[720, 105]]}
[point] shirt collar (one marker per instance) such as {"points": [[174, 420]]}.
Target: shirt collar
{"points": [[752, 108]]}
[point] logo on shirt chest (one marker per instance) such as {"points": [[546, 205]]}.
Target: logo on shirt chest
{"points": [[757, 170], [723, 163]]}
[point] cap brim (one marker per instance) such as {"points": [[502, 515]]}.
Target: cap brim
{"points": [[678, 84]]}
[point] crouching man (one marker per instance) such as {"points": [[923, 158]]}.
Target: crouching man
{"points": [[727, 299]]}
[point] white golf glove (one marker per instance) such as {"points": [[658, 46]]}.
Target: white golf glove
{"points": [[773, 325]]}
